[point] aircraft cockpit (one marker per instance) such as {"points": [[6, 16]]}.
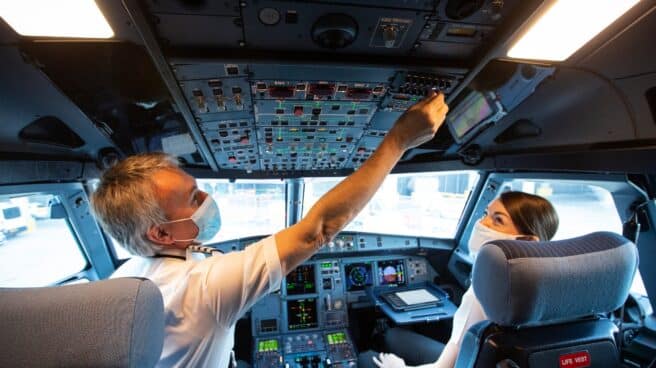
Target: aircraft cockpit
{"points": [[269, 104]]}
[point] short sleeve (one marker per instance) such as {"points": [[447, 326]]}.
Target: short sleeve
{"points": [[235, 281]]}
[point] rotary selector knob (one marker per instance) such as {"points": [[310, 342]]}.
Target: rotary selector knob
{"points": [[339, 243]]}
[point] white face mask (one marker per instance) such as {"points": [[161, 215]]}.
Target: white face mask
{"points": [[208, 220], [482, 234]]}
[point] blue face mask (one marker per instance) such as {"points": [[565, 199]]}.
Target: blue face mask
{"points": [[208, 220]]}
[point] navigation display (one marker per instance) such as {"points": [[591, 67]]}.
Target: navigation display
{"points": [[358, 276], [301, 280], [302, 314], [391, 272]]}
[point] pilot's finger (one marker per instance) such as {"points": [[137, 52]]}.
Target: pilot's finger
{"points": [[439, 98], [432, 96], [443, 109], [377, 362]]}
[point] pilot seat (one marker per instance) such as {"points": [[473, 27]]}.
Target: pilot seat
{"points": [[110, 323], [548, 303]]}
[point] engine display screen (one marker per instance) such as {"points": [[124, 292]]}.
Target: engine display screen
{"points": [[358, 276], [391, 272], [301, 280], [473, 110], [302, 314]]}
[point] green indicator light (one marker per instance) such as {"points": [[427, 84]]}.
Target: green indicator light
{"points": [[326, 265]]}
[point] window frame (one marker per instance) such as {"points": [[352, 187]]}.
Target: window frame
{"points": [[81, 223]]}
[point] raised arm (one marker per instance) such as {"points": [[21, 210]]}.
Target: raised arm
{"points": [[340, 205]]}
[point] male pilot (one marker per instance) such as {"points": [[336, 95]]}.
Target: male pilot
{"points": [[156, 211]]}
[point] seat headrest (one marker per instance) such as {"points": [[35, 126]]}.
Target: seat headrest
{"points": [[528, 283], [117, 323]]}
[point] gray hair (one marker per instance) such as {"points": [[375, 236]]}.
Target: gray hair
{"points": [[125, 202]]}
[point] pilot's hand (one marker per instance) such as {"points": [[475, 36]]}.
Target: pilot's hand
{"points": [[420, 122], [388, 361]]}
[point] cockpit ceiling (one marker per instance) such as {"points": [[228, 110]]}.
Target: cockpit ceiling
{"points": [[275, 88], [448, 30]]}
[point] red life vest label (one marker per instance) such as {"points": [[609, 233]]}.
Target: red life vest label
{"points": [[575, 360]]}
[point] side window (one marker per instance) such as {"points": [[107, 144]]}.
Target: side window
{"points": [[35, 249], [120, 252], [582, 208]]}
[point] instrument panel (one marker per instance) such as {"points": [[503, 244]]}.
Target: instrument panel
{"points": [[306, 323]]}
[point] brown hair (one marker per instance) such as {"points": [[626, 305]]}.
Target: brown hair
{"points": [[531, 214]]}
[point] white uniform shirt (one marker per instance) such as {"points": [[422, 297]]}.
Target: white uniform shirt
{"points": [[468, 314], [203, 299]]}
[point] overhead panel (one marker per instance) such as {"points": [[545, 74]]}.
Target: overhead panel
{"points": [[293, 118]]}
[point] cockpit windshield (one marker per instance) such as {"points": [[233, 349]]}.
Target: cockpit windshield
{"points": [[248, 207], [425, 204]]}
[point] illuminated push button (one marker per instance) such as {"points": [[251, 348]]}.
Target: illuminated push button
{"points": [[244, 140], [361, 150], [298, 110], [232, 159]]}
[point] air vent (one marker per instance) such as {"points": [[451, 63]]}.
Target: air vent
{"points": [[651, 100], [51, 130], [334, 31]]}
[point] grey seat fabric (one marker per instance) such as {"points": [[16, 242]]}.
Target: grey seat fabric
{"points": [[111, 323], [522, 282], [545, 301]]}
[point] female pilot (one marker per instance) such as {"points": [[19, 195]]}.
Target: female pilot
{"points": [[513, 215]]}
